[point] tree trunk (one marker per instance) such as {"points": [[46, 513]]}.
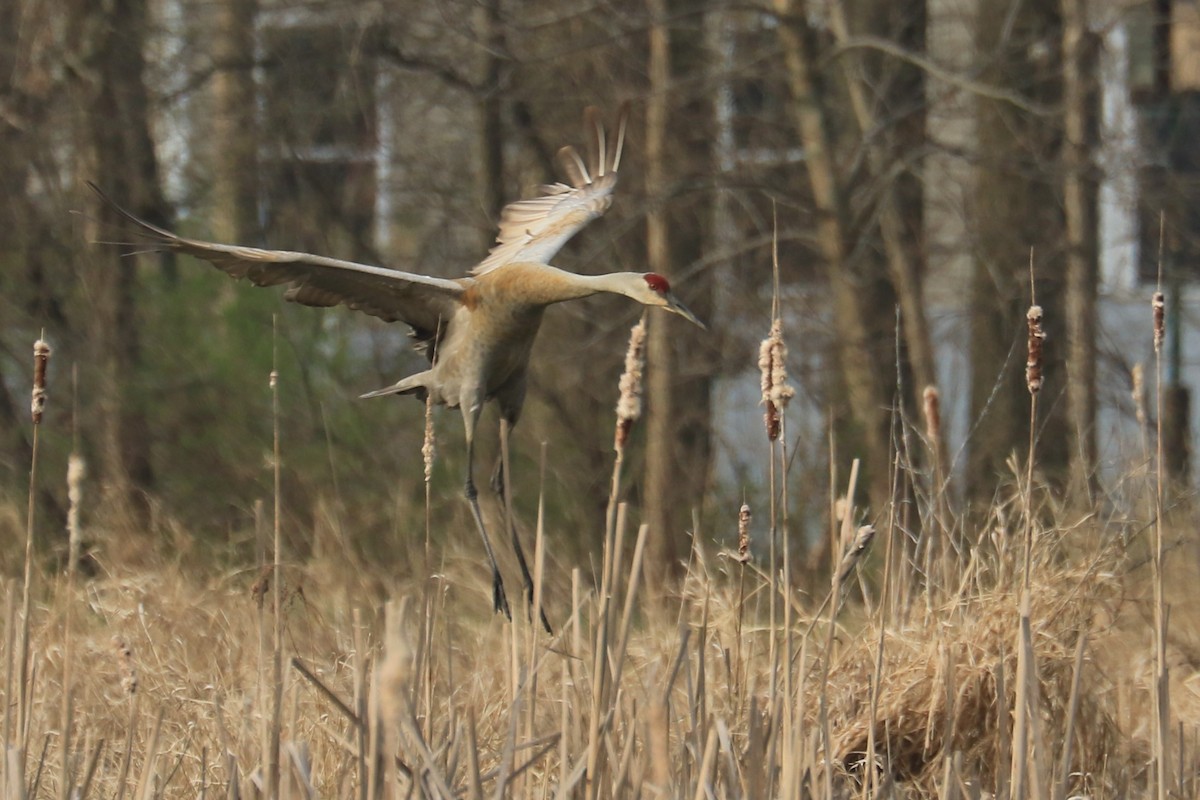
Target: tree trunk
{"points": [[660, 425], [119, 153], [1079, 209], [235, 127]]}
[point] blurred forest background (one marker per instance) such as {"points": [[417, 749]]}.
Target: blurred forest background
{"points": [[910, 152]]}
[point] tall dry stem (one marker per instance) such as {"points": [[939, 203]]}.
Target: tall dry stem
{"points": [[41, 359], [273, 751], [1033, 382], [1161, 690], [75, 473]]}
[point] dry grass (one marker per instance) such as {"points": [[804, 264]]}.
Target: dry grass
{"points": [[466, 703]]}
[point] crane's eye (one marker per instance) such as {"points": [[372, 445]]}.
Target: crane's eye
{"points": [[657, 283]]}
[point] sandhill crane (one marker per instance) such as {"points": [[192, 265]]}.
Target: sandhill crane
{"points": [[477, 331]]}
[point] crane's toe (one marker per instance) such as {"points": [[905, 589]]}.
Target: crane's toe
{"points": [[499, 597]]}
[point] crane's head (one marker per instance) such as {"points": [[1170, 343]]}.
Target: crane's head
{"points": [[655, 290]]}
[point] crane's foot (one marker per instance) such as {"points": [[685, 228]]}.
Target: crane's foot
{"points": [[500, 597]]}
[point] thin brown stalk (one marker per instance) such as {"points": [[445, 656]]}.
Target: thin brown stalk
{"points": [[75, 472], [1161, 696], [273, 751], [360, 702], [10, 629], [145, 784], [1064, 771], [703, 787], [1020, 739], [41, 358]]}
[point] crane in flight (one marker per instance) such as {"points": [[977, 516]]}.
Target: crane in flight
{"points": [[477, 331]]}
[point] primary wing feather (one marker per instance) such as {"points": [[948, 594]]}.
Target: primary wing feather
{"points": [[425, 303], [534, 230]]}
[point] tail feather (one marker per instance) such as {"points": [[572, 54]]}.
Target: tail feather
{"points": [[413, 384]]}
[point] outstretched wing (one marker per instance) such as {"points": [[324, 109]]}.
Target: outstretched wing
{"points": [[534, 230], [427, 304]]}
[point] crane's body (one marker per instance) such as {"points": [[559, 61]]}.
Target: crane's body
{"points": [[485, 350], [477, 331]]}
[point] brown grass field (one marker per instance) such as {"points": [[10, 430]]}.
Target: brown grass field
{"points": [[950, 662]]}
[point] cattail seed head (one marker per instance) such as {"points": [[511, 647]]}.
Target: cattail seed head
{"points": [[76, 470], [1159, 304], [41, 357], [744, 533], [1138, 376], [274, 379], [126, 666], [932, 403], [1033, 363], [427, 446], [629, 405], [772, 365]]}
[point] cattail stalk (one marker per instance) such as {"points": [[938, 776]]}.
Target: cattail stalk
{"points": [[776, 392], [1161, 693], [273, 750], [75, 474], [1033, 382], [629, 409], [41, 358], [743, 556]]}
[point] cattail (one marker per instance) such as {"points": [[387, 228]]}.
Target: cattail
{"points": [[427, 445], [274, 380], [932, 402], [772, 364], [1138, 374], [744, 533], [1033, 363], [629, 406], [129, 676], [862, 540], [41, 357], [1158, 303], [75, 473]]}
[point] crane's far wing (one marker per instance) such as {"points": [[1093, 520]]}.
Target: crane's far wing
{"points": [[425, 303], [534, 230]]}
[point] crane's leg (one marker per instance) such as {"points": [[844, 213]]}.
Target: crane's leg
{"points": [[499, 598], [503, 489]]}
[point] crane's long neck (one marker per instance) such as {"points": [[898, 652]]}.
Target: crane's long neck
{"points": [[552, 285]]}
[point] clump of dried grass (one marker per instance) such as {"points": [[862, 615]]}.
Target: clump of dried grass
{"points": [[947, 691]]}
